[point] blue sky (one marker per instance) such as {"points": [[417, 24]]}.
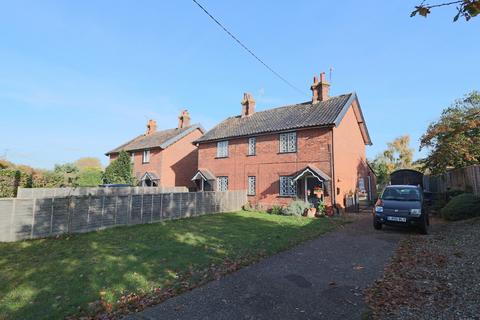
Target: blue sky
{"points": [[78, 78]]}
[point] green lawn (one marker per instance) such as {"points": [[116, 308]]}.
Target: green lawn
{"points": [[54, 278]]}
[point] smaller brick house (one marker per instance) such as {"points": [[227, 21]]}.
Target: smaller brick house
{"points": [[164, 158], [309, 150]]}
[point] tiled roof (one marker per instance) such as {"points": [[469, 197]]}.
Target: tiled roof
{"points": [[161, 139], [295, 116]]}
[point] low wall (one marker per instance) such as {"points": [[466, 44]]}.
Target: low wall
{"points": [[465, 179], [29, 193], [42, 217]]}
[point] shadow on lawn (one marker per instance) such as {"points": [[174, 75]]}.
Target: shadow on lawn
{"points": [[54, 278]]}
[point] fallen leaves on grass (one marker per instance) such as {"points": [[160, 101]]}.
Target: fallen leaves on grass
{"points": [[134, 302]]}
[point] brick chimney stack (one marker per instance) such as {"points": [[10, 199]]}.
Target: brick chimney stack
{"points": [[184, 119], [320, 90], [151, 127], [248, 105]]}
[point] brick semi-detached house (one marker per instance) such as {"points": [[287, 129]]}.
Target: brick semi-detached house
{"points": [[309, 150], [164, 158]]}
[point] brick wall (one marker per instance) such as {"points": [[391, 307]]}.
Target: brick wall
{"points": [[350, 158], [268, 164], [36, 218]]}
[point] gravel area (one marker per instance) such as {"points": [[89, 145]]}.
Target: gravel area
{"points": [[432, 277]]}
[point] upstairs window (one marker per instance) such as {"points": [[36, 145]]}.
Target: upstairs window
{"points": [[287, 186], [132, 157], [222, 183], [288, 142], [222, 149], [252, 185], [252, 148], [146, 156]]}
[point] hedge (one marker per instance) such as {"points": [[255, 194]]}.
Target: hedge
{"points": [[460, 207]]}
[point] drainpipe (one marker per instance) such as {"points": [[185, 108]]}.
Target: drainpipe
{"points": [[332, 166]]}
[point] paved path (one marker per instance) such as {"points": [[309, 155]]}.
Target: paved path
{"points": [[320, 279]]}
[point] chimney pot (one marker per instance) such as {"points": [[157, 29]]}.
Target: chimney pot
{"points": [[151, 126], [184, 119], [320, 90], [248, 105]]}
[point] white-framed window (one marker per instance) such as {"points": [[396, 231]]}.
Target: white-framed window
{"points": [[252, 148], [146, 156], [252, 185], [222, 149], [287, 186], [132, 157], [222, 183], [288, 142]]}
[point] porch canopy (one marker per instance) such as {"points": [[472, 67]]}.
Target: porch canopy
{"points": [[204, 176], [149, 179], [308, 172]]}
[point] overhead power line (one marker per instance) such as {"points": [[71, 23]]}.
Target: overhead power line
{"points": [[248, 50]]}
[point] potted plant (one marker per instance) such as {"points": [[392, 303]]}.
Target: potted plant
{"points": [[311, 211], [321, 209]]}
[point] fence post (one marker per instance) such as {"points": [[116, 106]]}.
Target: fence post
{"points": [[115, 211], [12, 221], [129, 212], [33, 217], [51, 216], [151, 210], [103, 208]]}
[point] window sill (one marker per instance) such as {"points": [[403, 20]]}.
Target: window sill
{"points": [[251, 195], [287, 152], [221, 157], [292, 196], [251, 155], [145, 162]]}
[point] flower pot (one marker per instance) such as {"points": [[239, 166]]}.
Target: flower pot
{"points": [[311, 212]]}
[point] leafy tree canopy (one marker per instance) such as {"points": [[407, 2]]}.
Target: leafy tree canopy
{"points": [[90, 177], [398, 155], [120, 170], [465, 8], [88, 162], [454, 140]]}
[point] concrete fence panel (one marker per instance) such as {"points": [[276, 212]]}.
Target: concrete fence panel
{"points": [[22, 218]]}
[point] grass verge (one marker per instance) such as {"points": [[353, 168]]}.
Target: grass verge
{"points": [[124, 269]]}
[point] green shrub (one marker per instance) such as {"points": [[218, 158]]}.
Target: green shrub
{"points": [[248, 207], [296, 208], [278, 210], [120, 170], [90, 177], [321, 208], [11, 179], [453, 193], [463, 206]]}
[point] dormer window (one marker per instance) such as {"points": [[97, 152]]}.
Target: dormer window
{"points": [[146, 156], [222, 149]]}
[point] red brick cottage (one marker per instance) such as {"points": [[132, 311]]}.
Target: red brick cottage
{"points": [[164, 158], [306, 150]]}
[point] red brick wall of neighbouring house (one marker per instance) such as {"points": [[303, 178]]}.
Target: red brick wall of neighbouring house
{"points": [[268, 164], [179, 161], [349, 157], [139, 168], [174, 165]]}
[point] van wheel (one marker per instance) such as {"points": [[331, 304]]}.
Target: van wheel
{"points": [[377, 225]]}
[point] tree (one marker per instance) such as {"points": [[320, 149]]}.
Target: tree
{"points": [[454, 140], [90, 177], [88, 162], [69, 173], [398, 155], [465, 8], [120, 170]]}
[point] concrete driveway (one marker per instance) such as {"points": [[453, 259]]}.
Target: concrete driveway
{"points": [[320, 279]]}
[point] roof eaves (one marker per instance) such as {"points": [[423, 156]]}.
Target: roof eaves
{"points": [[179, 136]]}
